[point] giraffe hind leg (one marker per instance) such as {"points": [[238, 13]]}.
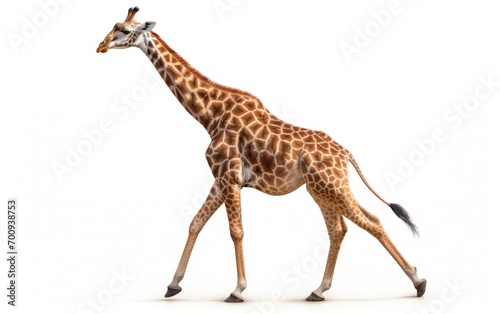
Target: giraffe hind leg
{"points": [[337, 229], [369, 222]]}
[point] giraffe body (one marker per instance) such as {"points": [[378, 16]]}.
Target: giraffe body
{"points": [[250, 147]]}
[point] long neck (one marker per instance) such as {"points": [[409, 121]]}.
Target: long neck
{"points": [[185, 82]]}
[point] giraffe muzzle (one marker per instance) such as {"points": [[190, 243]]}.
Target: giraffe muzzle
{"points": [[103, 48]]}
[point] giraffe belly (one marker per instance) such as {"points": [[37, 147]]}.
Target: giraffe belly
{"points": [[281, 181]]}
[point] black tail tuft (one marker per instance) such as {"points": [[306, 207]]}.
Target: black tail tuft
{"points": [[404, 216]]}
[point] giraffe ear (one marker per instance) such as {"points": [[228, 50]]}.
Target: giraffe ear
{"points": [[147, 26]]}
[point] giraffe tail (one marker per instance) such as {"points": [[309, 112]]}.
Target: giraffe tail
{"points": [[396, 208]]}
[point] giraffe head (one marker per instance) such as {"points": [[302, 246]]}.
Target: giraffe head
{"points": [[127, 34]]}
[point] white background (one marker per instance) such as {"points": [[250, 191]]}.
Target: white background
{"points": [[126, 206]]}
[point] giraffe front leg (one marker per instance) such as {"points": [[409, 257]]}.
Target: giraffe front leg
{"points": [[233, 207], [212, 203]]}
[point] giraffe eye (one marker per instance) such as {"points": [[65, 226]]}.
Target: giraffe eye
{"points": [[126, 31]]}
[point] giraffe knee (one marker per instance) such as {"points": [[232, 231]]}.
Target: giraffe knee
{"points": [[374, 227], [236, 234], [196, 225], [338, 232], [342, 233], [370, 223], [344, 227], [374, 219]]}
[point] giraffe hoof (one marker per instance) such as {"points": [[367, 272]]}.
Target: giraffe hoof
{"points": [[421, 288], [233, 299], [314, 298], [172, 291]]}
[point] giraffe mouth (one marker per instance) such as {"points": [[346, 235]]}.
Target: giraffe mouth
{"points": [[103, 48]]}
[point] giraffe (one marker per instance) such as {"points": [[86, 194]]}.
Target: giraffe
{"points": [[250, 147]]}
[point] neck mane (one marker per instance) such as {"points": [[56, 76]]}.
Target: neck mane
{"points": [[196, 92]]}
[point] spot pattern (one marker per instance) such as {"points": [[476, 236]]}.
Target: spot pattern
{"points": [[250, 147]]}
